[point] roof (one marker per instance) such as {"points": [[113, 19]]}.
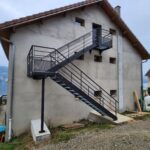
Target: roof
{"points": [[148, 73], [7, 28]]}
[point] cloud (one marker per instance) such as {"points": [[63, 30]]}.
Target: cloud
{"points": [[135, 13], [7, 10]]}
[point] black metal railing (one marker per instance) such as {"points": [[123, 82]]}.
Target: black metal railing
{"points": [[106, 39], [43, 61], [78, 78], [78, 45]]}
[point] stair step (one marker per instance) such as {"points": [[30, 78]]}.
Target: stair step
{"points": [[80, 97], [63, 84], [76, 94], [58, 81], [53, 77], [71, 91], [83, 99], [67, 87]]}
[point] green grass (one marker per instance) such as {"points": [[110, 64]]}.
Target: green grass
{"points": [[61, 135], [24, 142], [144, 117], [17, 143], [7, 146]]}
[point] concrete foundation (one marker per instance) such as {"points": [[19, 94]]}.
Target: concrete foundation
{"points": [[35, 130]]}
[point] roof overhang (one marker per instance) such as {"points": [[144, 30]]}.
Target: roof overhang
{"points": [[8, 27]]}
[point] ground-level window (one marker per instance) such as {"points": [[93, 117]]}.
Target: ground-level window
{"points": [[97, 58], [80, 21], [113, 93], [112, 60]]}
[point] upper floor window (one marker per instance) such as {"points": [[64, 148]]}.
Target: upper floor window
{"points": [[112, 31], [112, 60], [97, 58], [80, 21]]}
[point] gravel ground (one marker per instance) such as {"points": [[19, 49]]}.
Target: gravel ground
{"points": [[131, 136]]}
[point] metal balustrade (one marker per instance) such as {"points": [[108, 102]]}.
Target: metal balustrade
{"points": [[45, 62]]}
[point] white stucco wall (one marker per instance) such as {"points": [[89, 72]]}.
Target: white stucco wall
{"points": [[131, 74], [60, 106]]}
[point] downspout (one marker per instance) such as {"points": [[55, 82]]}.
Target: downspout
{"points": [[142, 95], [11, 89]]}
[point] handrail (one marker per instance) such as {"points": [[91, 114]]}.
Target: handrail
{"points": [[87, 86], [88, 79], [56, 56], [52, 57], [79, 70]]}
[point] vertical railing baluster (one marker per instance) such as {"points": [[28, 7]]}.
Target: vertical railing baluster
{"points": [[88, 90], [71, 77], [68, 50], [81, 80], [33, 59], [83, 44]]}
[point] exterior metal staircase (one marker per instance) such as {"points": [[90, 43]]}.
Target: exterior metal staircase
{"points": [[43, 62]]}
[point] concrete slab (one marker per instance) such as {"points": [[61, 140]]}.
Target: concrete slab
{"points": [[98, 118], [35, 128], [123, 119]]}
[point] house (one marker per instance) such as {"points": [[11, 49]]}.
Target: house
{"points": [[148, 76], [83, 57]]}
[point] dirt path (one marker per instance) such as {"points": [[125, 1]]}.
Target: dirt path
{"points": [[132, 136]]}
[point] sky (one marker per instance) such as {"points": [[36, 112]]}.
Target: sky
{"points": [[135, 13]]}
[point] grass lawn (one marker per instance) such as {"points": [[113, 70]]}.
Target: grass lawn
{"points": [[25, 141]]}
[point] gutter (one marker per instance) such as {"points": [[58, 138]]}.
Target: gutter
{"points": [[9, 126]]}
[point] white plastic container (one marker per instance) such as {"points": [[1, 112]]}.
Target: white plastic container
{"points": [[147, 103]]}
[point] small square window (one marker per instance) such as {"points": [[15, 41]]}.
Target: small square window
{"points": [[98, 93], [97, 58], [81, 57], [113, 93], [112, 31], [112, 60], [80, 21]]}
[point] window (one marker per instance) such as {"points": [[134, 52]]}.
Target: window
{"points": [[97, 58], [112, 31], [113, 93], [112, 60], [97, 93], [81, 57], [80, 21]]}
